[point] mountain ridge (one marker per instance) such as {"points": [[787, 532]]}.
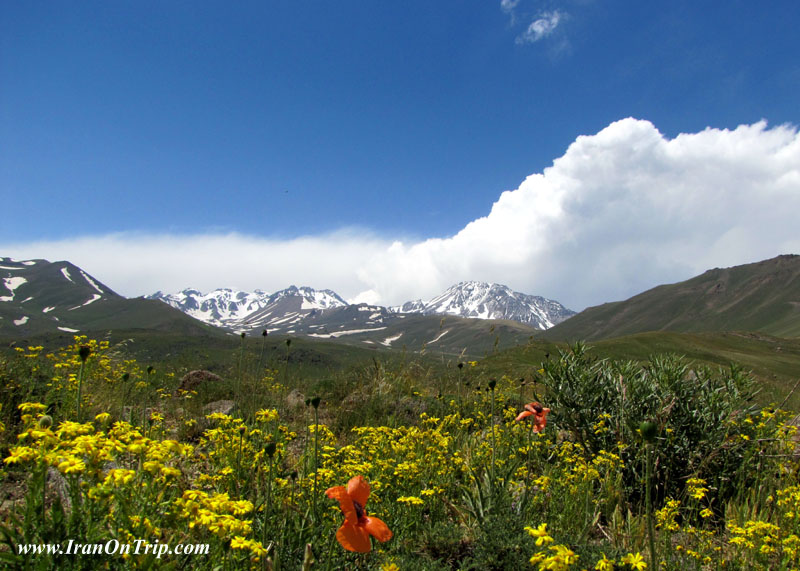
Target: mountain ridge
{"points": [[761, 296], [40, 298], [469, 299]]}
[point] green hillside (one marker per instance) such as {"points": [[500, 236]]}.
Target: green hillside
{"points": [[447, 336], [763, 297], [773, 361], [58, 297]]}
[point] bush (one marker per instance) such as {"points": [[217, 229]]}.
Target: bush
{"points": [[704, 419]]}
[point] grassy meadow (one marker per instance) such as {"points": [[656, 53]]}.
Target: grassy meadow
{"points": [[392, 462]]}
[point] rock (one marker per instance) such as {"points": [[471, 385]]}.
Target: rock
{"points": [[220, 406], [295, 399], [192, 380]]}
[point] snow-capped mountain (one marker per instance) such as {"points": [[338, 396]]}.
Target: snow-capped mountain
{"points": [[245, 311], [305, 309], [222, 307], [309, 298], [491, 301]]}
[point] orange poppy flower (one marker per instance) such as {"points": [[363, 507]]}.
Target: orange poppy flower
{"points": [[357, 527], [539, 414]]}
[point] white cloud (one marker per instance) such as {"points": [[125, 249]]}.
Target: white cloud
{"points": [[542, 27], [508, 5], [134, 264], [621, 211]]}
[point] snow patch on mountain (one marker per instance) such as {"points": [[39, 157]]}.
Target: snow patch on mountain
{"points": [[91, 282], [11, 284], [95, 297], [442, 334], [389, 340], [346, 332]]}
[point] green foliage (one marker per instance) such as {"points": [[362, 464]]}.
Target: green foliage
{"points": [[696, 413]]}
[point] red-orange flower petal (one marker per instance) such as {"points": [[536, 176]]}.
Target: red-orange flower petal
{"points": [[539, 414], [540, 420], [358, 490], [377, 528], [354, 533], [354, 538], [345, 503]]}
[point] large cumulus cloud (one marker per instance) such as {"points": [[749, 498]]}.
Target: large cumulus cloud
{"points": [[621, 211]]}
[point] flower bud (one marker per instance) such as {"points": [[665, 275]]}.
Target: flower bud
{"points": [[649, 430]]}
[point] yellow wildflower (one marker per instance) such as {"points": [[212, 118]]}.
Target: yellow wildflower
{"points": [[540, 533], [636, 561]]}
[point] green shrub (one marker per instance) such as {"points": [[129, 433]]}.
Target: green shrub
{"points": [[703, 418]]}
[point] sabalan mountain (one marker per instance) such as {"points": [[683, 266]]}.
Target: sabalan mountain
{"points": [[760, 297], [37, 296], [491, 301], [305, 310]]}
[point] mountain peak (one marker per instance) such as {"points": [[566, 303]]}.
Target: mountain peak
{"points": [[39, 295], [232, 309], [486, 300]]}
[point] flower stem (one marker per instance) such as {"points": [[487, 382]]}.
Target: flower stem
{"points": [[315, 404], [492, 385], [649, 505], [80, 387]]}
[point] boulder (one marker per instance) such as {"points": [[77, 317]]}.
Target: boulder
{"points": [[220, 406], [193, 380]]}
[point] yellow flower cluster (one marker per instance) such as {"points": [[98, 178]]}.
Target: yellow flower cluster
{"points": [[217, 513], [560, 558]]}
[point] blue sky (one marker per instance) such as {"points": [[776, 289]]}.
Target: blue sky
{"points": [[271, 128]]}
